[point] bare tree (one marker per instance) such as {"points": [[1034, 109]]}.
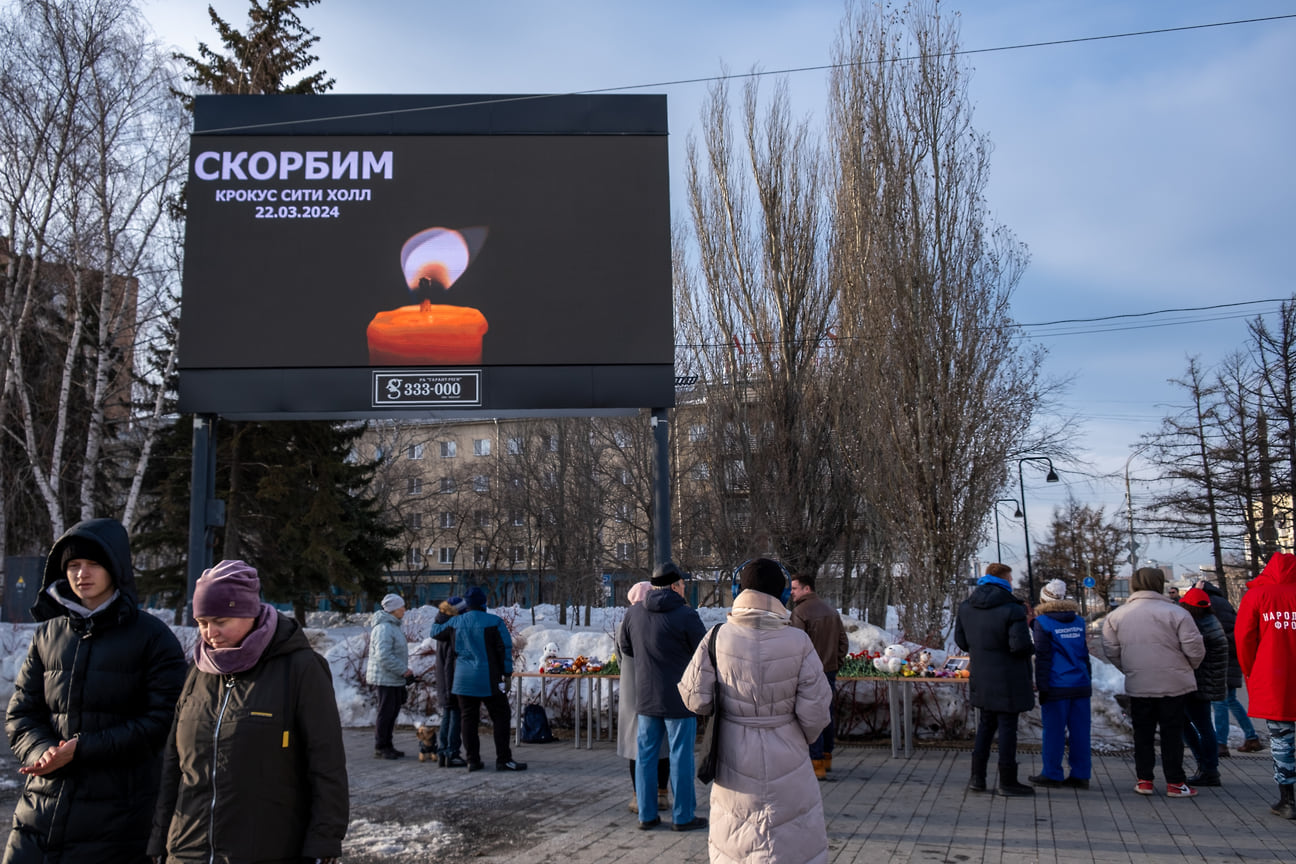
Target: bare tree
{"points": [[91, 148], [1081, 542], [755, 311], [1187, 449], [944, 390]]}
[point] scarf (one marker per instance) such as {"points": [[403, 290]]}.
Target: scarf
{"points": [[994, 580], [242, 657]]}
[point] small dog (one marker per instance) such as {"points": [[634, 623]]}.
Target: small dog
{"points": [[427, 736]]}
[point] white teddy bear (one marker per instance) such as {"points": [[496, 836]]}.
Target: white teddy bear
{"points": [[550, 651], [892, 659]]}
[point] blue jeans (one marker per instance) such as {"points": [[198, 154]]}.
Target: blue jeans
{"points": [[1222, 710], [448, 741], [824, 743], [681, 732], [1063, 717]]}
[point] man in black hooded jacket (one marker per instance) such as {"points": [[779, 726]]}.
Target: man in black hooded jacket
{"points": [[91, 707], [991, 627]]}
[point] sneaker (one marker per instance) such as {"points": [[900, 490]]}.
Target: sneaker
{"points": [[1201, 778], [1180, 790], [1145, 787], [694, 824], [475, 766], [1046, 782], [1076, 782], [1251, 745], [510, 765]]}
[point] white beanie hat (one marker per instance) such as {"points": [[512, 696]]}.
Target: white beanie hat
{"points": [[392, 602], [1055, 589]]}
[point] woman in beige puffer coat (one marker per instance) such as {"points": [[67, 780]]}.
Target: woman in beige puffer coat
{"points": [[765, 803]]}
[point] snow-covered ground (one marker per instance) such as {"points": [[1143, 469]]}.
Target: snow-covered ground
{"points": [[344, 641]]}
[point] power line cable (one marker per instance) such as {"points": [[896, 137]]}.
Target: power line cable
{"points": [[679, 82]]}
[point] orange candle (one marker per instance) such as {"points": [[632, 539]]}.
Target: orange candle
{"points": [[427, 335]]}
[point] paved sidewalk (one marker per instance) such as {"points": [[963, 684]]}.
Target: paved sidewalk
{"points": [[571, 808]]}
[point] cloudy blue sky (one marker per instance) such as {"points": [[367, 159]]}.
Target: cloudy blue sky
{"points": [[1144, 173]]}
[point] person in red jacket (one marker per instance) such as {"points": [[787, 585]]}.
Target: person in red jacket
{"points": [[1266, 644]]}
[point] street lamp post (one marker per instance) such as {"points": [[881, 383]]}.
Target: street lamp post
{"points": [[1021, 485], [1017, 515]]}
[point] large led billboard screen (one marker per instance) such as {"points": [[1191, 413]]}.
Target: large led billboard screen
{"points": [[508, 261]]}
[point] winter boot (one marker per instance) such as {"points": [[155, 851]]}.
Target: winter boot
{"points": [[1286, 804], [978, 781], [1008, 785], [821, 771]]}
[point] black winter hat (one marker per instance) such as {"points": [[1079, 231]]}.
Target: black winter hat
{"points": [[86, 550], [666, 574]]}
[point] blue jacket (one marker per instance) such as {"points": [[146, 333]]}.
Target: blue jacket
{"points": [[1062, 666], [483, 652], [388, 651]]}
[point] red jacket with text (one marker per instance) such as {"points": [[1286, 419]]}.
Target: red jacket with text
{"points": [[1266, 640]]}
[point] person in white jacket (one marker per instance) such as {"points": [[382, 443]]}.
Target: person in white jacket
{"points": [[1154, 641], [775, 699], [388, 670]]}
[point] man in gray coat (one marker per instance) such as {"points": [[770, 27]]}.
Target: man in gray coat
{"points": [[1153, 640]]}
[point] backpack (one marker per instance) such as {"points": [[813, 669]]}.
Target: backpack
{"points": [[535, 726]]}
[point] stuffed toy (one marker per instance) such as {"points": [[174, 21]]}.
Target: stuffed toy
{"points": [[892, 660], [921, 664]]}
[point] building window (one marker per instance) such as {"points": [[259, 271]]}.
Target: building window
{"points": [[379, 452], [414, 520], [447, 485], [481, 483], [701, 471], [414, 486], [624, 551], [447, 520], [622, 512], [550, 479], [482, 518], [481, 446], [516, 518], [515, 446], [704, 548], [449, 449], [697, 433], [515, 480], [517, 555], [415, 451], [479, 555], [621, 438], [549, 443], [447, 555], [624, 476], [413, 559]]}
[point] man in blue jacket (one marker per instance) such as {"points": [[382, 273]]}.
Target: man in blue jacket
{"points": [[483, 664], [1064, 679], [662, 633]]}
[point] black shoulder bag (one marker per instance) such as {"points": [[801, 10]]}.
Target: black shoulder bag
{"points": [[706, 769]]}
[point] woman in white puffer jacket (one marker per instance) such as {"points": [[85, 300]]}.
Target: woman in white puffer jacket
{"points": [[765, 803]]}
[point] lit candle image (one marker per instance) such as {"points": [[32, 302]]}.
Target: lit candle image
{"points": [[428, 333]]}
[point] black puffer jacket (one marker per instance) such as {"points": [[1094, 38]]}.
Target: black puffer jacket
{"points": [[1227, 616], [1212, 672], [112, 680], [254, 769], [991, 627]]}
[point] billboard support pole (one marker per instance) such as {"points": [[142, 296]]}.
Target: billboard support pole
{"points": [[204, 511], [661, 488]]}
